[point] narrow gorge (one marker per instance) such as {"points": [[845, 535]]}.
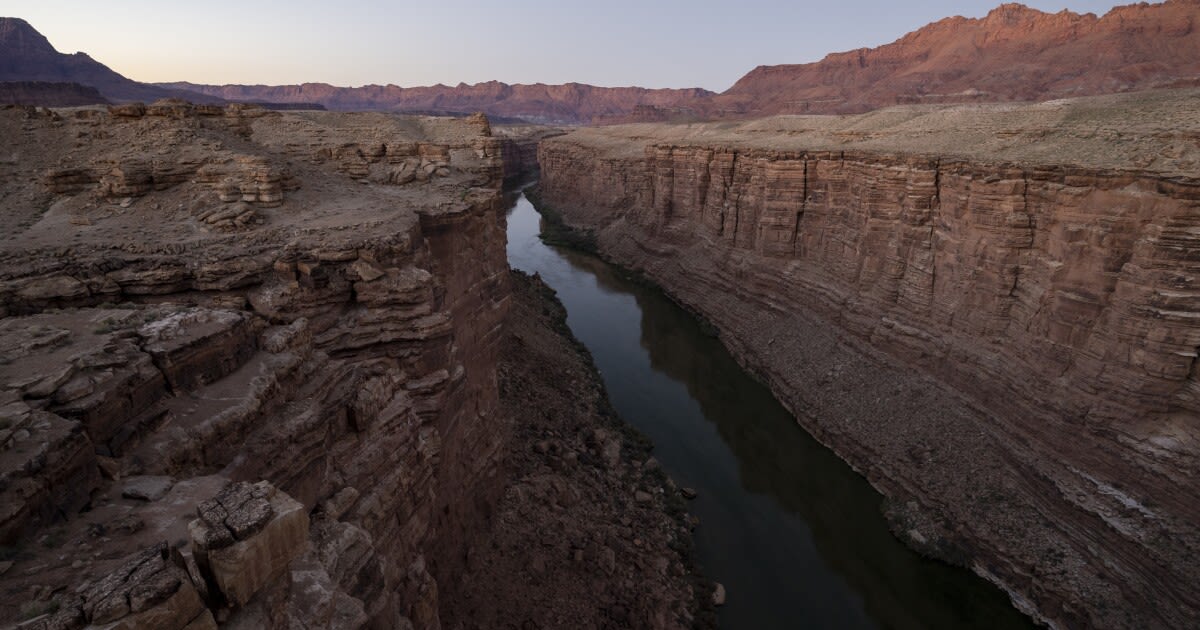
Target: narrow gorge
{"points": [[989, 311], [268, 370]]}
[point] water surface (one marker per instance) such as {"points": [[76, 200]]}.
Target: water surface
{"points": [[793, 533]]}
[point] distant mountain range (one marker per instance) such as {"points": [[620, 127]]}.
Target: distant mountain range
{"points": [[1015, 53], [570, 103]]}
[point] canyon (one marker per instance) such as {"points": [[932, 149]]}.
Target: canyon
{"points": [[990, 311], [566, 104], [257, 373], [264, 365]]}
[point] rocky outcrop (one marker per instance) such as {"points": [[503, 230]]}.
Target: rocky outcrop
{"points": [[319, 381], [250, 377], [994, 320]]}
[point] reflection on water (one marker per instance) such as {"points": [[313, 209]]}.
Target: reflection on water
{"points": [[792, 532]]}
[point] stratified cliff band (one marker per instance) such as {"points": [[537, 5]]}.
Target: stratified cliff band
{"points": [[250, 377], [990, 311]]}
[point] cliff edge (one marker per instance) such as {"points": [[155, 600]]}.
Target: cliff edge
{"points": [[990, 311]]}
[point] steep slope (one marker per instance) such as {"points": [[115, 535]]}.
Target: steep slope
{"points": [[991, 311], [1014, 54], [46, 94], [571, 103], [256, 371], [26, 55]]}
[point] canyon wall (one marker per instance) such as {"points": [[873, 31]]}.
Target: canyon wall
{"points": [[518, 148], [257, 352], [994, 319]]}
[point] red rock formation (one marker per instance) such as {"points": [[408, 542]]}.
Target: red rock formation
{"points": [[1055, 291], [1014, 54]]}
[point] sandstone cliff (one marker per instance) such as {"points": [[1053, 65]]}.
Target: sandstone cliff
{"points": [[989, 311], [194, 297], [251, 377], [518, 147]]}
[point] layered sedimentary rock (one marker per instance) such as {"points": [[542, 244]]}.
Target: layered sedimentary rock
{"points": [[247, 364], [992, 312], [518, 147]]}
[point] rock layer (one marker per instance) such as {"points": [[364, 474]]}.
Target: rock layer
{"points": [[196, 296], [518, 146], [1046, 293], [250, 377]]}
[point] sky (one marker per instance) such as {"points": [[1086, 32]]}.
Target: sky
{"points": [[665, 43]]}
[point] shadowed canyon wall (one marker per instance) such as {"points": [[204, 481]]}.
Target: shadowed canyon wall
{"points": [[210, 306], [1049, 435]]}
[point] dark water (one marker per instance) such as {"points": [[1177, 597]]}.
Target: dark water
{"points": [[793, 533]]}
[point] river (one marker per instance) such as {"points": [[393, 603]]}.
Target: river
{"points": [[793, 533]]}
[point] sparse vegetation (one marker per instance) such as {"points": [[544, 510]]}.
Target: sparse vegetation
{"points": [[106, 326]]}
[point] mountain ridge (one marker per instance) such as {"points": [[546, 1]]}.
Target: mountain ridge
{"points": [[27, 56], [1014, 53]]}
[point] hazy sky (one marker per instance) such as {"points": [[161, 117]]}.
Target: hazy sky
{"points": [[651, 43]]}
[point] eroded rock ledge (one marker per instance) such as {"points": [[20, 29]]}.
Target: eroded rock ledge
{"points": [[1038, 265], [194, 297], [248, 366]]}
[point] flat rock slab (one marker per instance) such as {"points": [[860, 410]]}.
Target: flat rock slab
{"points": [[147, 488]]}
